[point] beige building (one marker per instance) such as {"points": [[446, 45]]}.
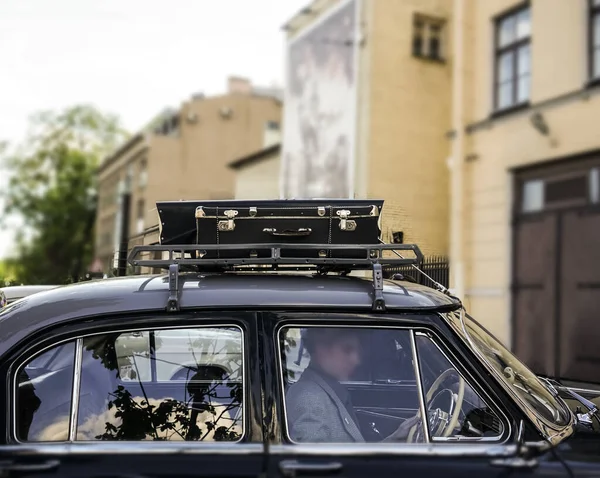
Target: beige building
{"points": [[402, 109], [183, 154], [257, 174], [525, 176]]}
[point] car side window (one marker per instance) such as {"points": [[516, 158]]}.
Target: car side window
{"points": [[171, 384], [323, 403], [163, 384], [43, 392], [454, 407], [386, 352]]}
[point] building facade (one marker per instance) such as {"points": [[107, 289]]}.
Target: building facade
{"points": [[526, 176], [183, 154], [257, 174], [366, 107]]}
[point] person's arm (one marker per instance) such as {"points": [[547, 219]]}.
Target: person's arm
{"points": [[307, 419], [401, 433]]}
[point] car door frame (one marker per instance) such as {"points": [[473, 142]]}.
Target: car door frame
{"points": [[115, 458], [286, 458]]}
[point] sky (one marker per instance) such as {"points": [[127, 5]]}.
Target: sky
{"points": [[131, 57]]}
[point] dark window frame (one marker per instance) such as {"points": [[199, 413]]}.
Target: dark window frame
{"points": [[422, 26], [513, 47], [415, 328], [79, 332], [593, 13]]}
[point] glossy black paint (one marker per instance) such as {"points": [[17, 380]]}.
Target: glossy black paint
{"points": [[246, 459], [260, 303], [149, 293]]}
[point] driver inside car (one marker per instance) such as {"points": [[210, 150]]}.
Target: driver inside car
{"points": [[319, 407]]}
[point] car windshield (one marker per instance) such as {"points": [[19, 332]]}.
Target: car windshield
{"points": [[521, 381]]}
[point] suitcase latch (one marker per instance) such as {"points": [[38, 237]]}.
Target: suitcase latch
{"points": [[345, 223], [228, 225]]}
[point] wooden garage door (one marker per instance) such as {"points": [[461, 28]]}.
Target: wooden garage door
{"points": [[556, 273]]}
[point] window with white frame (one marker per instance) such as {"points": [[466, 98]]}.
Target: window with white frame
{"points": [[427, 37], [513, 59]]}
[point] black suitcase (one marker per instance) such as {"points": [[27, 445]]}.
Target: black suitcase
{"points": [[272, 221]]}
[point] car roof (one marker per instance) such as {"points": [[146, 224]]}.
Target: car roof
{"points": [[224, 291], [18, 291]]}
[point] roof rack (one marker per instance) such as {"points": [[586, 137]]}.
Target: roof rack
{"points": [[276, 257]]}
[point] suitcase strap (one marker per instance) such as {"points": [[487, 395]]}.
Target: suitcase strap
{"points": [[226, 222]]}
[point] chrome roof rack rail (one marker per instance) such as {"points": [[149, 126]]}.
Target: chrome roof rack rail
{"points": [[276, 257]]}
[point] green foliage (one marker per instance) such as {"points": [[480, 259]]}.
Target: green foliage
{"points": [[52, 190], [8, 275]]}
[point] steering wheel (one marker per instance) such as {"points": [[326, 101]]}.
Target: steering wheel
{"points": [[441, 423]]}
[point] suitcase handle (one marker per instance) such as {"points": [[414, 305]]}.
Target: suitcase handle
{"points": [[303, 231]]}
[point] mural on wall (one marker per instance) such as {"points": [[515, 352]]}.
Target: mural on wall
{"points": [[320, 107]]}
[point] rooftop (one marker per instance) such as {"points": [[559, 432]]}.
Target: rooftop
{"points": [[255, 157], [223, 291]]}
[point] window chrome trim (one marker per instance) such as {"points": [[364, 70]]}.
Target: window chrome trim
{"points": [[469, 379], [420, 391], [416, 330], [76, 389], [397, 449], [26, 356], [133, 447]]}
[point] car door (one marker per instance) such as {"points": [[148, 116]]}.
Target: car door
{"points": [[143, 396], [469, 431]]}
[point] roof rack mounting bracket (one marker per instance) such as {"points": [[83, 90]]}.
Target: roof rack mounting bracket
{"points": [[173, 300], [378, 301]]}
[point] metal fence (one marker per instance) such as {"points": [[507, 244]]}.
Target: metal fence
{"points": [[436, 267]]}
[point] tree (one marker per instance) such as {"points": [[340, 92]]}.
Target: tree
{"points": [[52, 190], [7, 273]]}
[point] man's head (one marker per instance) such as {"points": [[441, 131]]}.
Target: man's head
{"points": [[335, 351]]}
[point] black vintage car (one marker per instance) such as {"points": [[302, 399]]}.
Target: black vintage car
{"points": [[199, 372]]}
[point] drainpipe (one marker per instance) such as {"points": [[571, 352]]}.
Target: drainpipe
{"points": [[457, 225]]}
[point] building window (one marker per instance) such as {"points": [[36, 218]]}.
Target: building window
{"points": [[513, 59], [427, 37], [595, 39], [594, 186], [140, 216], [143, 178], [533, 196]]}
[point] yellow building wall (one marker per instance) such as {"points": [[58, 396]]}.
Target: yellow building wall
{"points": [[498, 146], [409, 103], [259, 180], [403, 112]]}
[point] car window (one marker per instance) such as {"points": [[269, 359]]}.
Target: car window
{"points": [[167, 384], [384, 352], [43, 395], [175, 384], [454, 407], [323, 403]]}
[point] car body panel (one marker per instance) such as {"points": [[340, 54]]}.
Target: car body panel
{"points": [[262, 300], [150, 293]]}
